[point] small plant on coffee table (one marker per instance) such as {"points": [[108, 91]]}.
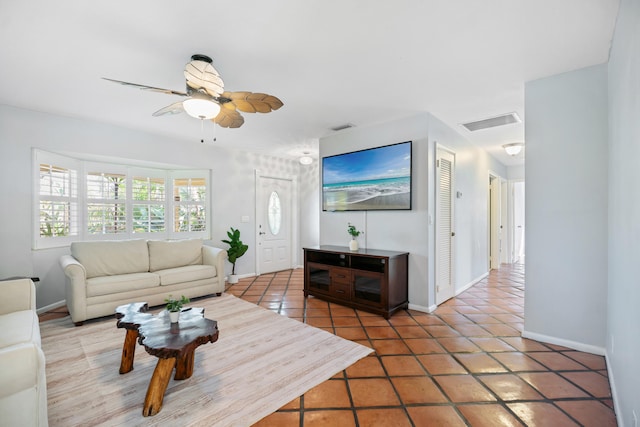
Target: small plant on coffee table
{"points": [[174, 305]]}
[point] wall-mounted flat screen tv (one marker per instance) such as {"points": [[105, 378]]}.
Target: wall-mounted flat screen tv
{"points": [[374, 179]]}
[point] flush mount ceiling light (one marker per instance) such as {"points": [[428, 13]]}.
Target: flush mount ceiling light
{"points": [[306, 159], [514, 148]]}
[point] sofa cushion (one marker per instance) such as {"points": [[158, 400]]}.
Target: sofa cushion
{"points": [[186, 274], [108, 285], [19, 327], [164, 254], [108, 258]]}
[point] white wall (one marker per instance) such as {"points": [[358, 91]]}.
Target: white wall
{"points": [[410, 230], [309, 208], [566, 208], [232, 189], [515, 173], [623, 299]]}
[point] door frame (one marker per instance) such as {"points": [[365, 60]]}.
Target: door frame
{"points": [[293, 232]]}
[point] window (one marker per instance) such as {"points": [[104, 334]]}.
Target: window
{"points": [[58, 204], [189, 195], [106, 203], [148, 204], [274, 213], [80, 200]]}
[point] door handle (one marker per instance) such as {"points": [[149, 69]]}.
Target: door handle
{"points": [[262, 232]]}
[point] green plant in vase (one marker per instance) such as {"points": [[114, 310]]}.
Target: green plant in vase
{"points": [[174, 306], [353, 231]]}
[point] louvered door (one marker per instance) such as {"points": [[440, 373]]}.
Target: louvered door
{"points": [[445, 173]]}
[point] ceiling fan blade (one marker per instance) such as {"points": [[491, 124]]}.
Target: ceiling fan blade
{"points": [[174, 108], [250, 102], [228, 118], [144, 87], [202, 75]]}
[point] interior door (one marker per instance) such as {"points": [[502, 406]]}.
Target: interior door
{"points": [[445, 173], [274, 223], [518, 221], [495, 223]]}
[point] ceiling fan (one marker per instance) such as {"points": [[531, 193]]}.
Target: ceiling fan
{"points": [[207, 99]]}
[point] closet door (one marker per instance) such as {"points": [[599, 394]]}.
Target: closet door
{"points": [[445, 173]]}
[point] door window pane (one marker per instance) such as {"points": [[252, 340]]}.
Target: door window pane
{"points": [[274, 213]]}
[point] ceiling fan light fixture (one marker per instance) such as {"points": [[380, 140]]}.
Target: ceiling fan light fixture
{"points": [[203, 109], [514, 148]]}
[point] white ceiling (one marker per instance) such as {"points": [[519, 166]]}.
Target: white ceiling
{"points": [[330, 61]]}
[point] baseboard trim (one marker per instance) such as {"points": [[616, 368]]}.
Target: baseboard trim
{"points": [[587, 348], [51, 306], [422, 308], [614, 393], [473, 282]]}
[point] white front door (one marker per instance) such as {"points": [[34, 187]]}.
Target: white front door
{"points": [[274, 200], [445, 173]]}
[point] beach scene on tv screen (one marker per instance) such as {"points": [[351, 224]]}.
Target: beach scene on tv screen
{"points": [[378, 178]]}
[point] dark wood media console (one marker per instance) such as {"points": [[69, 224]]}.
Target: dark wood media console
{"points": [[368, 279]]}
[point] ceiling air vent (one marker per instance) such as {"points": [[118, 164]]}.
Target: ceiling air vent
{"points": [[342, 127], [505, 119]]}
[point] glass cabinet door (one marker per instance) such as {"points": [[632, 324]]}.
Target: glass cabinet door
{"points": [[367, 287], [319, 277]]}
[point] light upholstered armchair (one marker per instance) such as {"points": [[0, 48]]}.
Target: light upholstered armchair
{"points": [[23, 385]]}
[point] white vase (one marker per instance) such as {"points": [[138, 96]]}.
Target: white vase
{"points": [[233, 278], [353, 245], [173, 316]]}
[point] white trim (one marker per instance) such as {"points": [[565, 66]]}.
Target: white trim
{"points": [[587, 348], [614, 392], [422, 308], [51, 306], [240, 276], [472, 283]]}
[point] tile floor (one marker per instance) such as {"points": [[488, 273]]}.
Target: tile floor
{"points": [[463, 365]]}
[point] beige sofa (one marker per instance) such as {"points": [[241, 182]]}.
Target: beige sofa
{"points": [[101, 275], [23, 384]]}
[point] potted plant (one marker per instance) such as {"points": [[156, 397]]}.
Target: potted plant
{"points": [[174, 307], [235, 251], [353, 231]]}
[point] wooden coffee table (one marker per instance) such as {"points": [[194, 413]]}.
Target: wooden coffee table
{"points": [[174, 345]]}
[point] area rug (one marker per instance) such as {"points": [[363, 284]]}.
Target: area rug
{"points": [[260, 362]]}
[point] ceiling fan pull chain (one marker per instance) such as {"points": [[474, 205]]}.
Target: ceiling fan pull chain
{"points": [[202, 131], [214, 131]]}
